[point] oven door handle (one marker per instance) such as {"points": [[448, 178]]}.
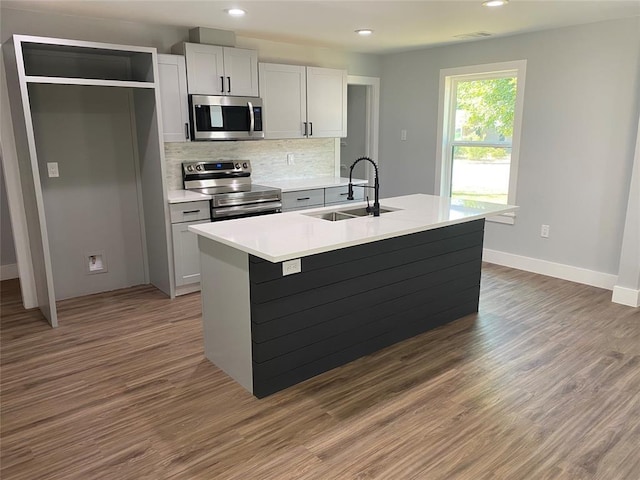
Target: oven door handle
{"points": [[244, 209], [233, 202], [252, 119]]}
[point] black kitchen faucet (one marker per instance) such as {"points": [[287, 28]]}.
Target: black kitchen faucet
{"points": [[376, 186]]}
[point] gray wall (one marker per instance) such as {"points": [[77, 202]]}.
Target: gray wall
{"points": [[7, 248], [578, 135], [93, 205], [89, 29]]}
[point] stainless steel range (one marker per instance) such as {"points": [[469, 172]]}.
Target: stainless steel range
{"points": [[229, 181]]}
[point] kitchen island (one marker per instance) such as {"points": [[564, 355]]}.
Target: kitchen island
{"points": [[288, 296]]}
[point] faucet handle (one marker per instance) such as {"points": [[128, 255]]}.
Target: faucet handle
{"points": [[350, 192]]}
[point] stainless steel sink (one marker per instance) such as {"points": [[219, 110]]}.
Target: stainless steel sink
{"points": [[362, 211], [331, 216], [345, 214]]}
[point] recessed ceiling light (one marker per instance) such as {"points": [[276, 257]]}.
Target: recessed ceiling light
{"points": [[235, 12], [495, 3], [364, 31]]}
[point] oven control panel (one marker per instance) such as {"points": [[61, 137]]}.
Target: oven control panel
{"points": [[222, 166]]}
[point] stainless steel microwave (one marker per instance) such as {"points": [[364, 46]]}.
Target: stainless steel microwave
{"points": [[225, 118]]}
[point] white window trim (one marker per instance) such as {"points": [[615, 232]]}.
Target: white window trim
{"points": [[443, 174]]}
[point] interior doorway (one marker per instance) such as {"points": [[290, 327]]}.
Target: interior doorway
{"points": [[363, 100]]}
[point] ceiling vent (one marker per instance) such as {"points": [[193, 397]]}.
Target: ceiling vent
{"points": [[473, 35]]}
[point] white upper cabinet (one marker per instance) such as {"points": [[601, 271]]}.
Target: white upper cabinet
{"points": [[241, 72], [326, 102], [303, 101], [173, 98], [283, 90], [215, 70]]}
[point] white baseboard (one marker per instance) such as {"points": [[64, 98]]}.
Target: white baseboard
{"points": [[8, 271], [190, 288], [551, 269], [626, 296]]}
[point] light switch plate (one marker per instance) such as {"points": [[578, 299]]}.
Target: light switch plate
{"points": [[291, 266], [52, 169]]}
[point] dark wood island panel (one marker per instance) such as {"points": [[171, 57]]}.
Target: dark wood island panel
{"points": [[354, 301]]}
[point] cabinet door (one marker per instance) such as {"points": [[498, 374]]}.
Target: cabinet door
{"points": [[333, 195], [284, 97], [241, 72], [173, 97], [186, 256], [302, 199], [327, 102], [205, 69]]}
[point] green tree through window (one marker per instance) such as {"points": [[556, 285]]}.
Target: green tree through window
{"points": [[490, 105], [485, 109]]}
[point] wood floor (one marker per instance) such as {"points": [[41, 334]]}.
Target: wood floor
{"points": [[544, 383]]}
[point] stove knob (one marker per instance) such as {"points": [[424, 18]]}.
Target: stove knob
{"points": [[198, 167], [189, 168], [237, 166], [244, 165]]}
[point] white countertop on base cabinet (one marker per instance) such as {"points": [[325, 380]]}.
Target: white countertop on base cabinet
{"points": [[181, 196], [292, 185]]}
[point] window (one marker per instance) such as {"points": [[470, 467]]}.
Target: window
{"points": [[479, 128]]}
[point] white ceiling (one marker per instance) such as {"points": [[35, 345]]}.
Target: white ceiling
{"points": [[397, 25]]}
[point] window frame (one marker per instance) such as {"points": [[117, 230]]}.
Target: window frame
{"points": [[446, 128]]}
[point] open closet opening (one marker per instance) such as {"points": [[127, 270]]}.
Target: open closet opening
{"points": [[96, 205], [88, 164]]}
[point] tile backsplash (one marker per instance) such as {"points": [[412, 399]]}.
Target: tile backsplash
{"points": [[312, 158]]}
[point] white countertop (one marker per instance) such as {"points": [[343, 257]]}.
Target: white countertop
{"points": [[285, 236], [181, 196], [293, 185]]}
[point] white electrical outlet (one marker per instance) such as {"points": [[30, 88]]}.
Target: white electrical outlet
{"points": [[544, 231], [291, 159], [403, 135], [291, 266], [52, 169]]}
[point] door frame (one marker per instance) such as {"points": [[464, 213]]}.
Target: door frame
{"points": [[372, 120]]}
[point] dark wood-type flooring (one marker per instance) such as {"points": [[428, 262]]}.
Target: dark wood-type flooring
{"points": [[543, 383]]}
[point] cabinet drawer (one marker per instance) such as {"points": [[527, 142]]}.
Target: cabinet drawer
{"points": [[339, 194], [303, 199], [190, 211]]}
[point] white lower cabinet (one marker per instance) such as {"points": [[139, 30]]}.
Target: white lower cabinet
{"points": [[319, 197], [334, 195], [186, 256], [301, 199]]}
